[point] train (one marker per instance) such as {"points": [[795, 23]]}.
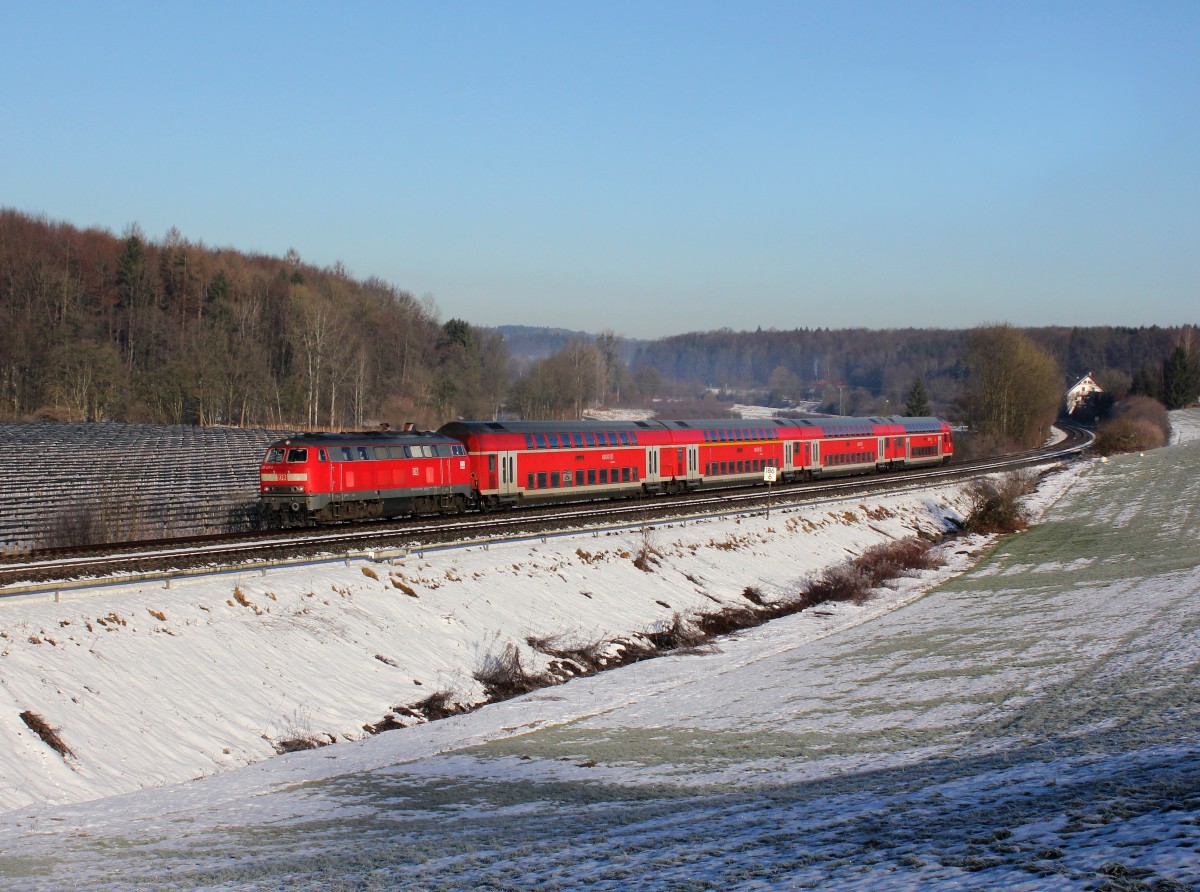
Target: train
{"points": [[320, 478]]}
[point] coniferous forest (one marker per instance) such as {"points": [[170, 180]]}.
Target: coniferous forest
{"points": [[104, 327]]}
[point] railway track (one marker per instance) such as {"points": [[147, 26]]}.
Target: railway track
{"points": [[75, 567]]}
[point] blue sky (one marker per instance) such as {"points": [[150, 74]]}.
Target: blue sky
{"points": [[650, 168]]}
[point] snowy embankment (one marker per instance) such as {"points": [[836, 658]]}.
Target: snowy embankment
{"points": [[1029, 724], [148, 685]]}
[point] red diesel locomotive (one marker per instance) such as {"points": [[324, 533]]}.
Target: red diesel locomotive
{"points": [[322, 478], [485, 465]]}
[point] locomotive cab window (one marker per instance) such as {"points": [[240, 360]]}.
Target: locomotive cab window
{"points": [[297, 456], [274, 456]]}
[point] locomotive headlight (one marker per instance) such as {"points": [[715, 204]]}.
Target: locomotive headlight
{"points": [[297, 488]]}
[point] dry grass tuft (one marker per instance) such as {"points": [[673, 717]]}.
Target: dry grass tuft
{"points": [[297, 744], [754, 595], [587, 656], [389, 722], [49, 736], [648, 556], [398, 582], [369, 573], [680, 635]]}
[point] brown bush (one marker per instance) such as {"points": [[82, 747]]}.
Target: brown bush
{"points": [[732, 618], [1147, 409], [503, 676], [844, 582], [892, 559], [1127, 434], [996, 504], [438, 705]]}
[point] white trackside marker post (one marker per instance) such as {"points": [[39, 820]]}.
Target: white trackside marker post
{"points": [[769, 474]]}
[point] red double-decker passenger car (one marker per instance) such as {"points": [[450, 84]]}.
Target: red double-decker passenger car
{"points": [[317, 478]]}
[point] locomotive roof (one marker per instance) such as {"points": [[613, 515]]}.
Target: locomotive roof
{"points": [[321, 438], [459, 428]]}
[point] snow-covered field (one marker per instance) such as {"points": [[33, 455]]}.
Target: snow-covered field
{"points": [[1031, 723]]}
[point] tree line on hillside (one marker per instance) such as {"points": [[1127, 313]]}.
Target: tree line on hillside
{"points": [[96, 327], [862, 371], [99, 327]]}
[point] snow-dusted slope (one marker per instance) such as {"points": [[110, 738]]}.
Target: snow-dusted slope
{"points": [[149, 685], [1031, 724]]}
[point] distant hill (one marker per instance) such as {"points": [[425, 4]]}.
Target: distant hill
{"points": [[532, 343]]}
